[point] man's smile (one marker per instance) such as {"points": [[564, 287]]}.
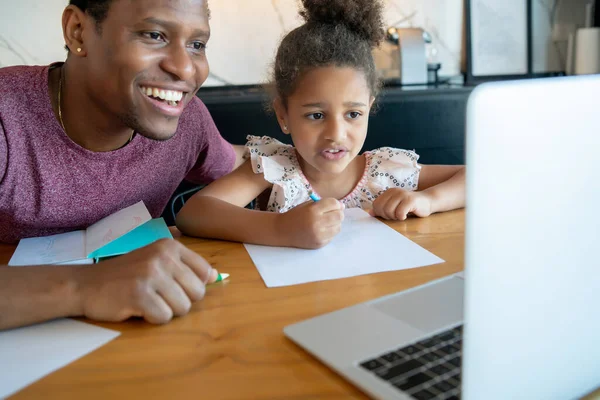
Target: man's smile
{"points": [[171, 97]]}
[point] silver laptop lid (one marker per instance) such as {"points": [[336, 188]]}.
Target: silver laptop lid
{"points": [[532, 315]]}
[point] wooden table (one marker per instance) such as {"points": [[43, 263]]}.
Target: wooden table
{"points": [[231, 345]]}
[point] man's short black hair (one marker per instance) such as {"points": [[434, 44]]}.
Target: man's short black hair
{"points": [[97, 9]]}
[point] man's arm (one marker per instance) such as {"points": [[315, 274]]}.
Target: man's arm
{"points": [[156, 282], [33, 294]]}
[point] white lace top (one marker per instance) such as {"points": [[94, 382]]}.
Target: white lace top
{"points": [[385, 168]]}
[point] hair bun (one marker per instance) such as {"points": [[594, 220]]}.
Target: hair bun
{"points": [[364, 17]]}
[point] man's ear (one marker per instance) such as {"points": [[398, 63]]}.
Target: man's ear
{"points": [[282, 116], [74, 22]]}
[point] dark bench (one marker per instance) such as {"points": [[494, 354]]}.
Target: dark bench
{"points": [[430, 121]]}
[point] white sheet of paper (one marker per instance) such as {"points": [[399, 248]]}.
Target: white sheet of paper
{"points": [[364, 246], [30, 353], [64, 247], [115, 225]]}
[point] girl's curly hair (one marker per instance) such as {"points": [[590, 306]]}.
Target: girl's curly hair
{"points": [[339, 33]]}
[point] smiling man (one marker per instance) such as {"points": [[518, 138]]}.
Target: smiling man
{"points": [[116, 123]]}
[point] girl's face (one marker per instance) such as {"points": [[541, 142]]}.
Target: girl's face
{"points": [[327, 117]]}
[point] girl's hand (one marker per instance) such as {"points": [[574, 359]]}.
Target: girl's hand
{"points": [[396, 204], [313, 224]]}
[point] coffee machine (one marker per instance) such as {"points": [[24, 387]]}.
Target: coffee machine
{"points": [[404, 57]]}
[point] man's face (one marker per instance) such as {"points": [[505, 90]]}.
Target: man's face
{"points": [[147, 62]]}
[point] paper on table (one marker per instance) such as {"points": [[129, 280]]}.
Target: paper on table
{"points": [[53, 249], [364, 246], [30, 353]]}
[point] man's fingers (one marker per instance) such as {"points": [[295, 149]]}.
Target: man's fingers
{"points": [[198, 265], [174, 296], [192, 285], [156, 310]]}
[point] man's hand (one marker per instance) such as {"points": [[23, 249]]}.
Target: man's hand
{"points": [[396, 204], [313, 224], [156, 282]]}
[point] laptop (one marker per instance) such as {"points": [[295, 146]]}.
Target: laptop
{"points": [[524, 320]]}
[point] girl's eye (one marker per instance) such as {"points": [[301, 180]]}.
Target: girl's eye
{"points": [[315, 116], [354, 114]]}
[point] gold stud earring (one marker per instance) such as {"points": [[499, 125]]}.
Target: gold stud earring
{"points": [[79, 49]]}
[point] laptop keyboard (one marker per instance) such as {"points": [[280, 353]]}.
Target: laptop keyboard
{"points": [[429, 369]]}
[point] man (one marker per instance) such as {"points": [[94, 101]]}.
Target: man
{"points": [[118, 122]]}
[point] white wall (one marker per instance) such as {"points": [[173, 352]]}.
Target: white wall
{"points": [[30, 31], [245, 33]]}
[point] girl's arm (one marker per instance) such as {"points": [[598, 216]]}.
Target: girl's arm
{"points": [[218, 212], [240, 151], [444, 185], [441, 188]]}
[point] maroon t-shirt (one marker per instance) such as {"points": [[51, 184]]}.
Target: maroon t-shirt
{"points": [[49, 184]]}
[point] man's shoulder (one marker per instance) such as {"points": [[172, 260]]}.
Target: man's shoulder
{"points": [[195, 111], [196, 119], [17, 79]]}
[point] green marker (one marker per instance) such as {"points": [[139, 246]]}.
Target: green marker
{"points": [[221, 277]]}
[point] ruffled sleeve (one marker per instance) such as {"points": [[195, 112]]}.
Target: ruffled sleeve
{"points": [[390, 167], [277, 162]]}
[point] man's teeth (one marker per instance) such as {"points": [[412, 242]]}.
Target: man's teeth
{"points": [[170, 96]]}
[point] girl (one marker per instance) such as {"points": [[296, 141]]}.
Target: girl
{"points": [[325, 82]]}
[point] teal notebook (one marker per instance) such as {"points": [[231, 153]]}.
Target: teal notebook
{"points": [[143, 235]]}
